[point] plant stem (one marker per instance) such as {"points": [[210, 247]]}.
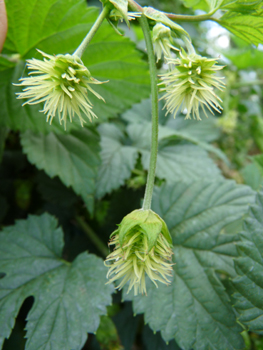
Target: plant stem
{"points": [[92, 236], [155, 113], [91, 33], [180, 18]]}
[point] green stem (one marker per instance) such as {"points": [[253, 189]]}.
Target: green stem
{"points": [[92, 236], [104, 13], [180, 18], [155, 113]]}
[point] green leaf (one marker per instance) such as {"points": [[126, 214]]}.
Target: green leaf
{"points": [[176, 161], [122, 6], [253, 176], [49, 25], [258, 160], [241, 5], [118, 160], [59, 27], [205, 5], [246, 27], [74, 158], [244, 58], [195, 310], [68, 297], [206, 131], [249, 267]]}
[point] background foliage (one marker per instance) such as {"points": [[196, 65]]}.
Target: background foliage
{"points": [[63, 192]]}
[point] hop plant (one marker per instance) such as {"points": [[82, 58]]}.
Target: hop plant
{"points": [[162, 39], [62, 82], [142, 246], [191, 84]]}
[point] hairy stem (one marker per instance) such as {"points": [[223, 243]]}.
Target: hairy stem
{"points": [[91, 33], [180, 18], [154, 99], [92, 236]]}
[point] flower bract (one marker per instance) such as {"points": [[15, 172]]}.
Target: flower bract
{"points": [[191, 84], [162, 39], [62, 82], [142, 246]]}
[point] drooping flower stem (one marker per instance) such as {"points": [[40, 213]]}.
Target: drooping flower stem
{"points": [[91, 33], [155, 113]]}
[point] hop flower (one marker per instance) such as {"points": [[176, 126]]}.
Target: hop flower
{"points": [[142, 245], [190, 84], [62, 82], [162, 40]]}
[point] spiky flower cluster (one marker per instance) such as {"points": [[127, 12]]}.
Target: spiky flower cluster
{"points": [[162, 39], [191, 84], [142, 246], [62, 82]]}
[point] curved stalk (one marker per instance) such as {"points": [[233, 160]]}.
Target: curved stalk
{"points": [[155, 113], [104, 13]]}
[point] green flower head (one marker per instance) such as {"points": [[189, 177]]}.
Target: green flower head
{"points": [[162, 39], [142, 245], [62, 82], [191, 84]]}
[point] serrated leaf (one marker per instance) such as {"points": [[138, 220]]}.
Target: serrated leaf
{"points": [[249, 267], [68, 297], [59, 27], [74, 158], [206, 131], [159, 16], [118, 160], [175, 161], [246, 27], [241, 5], [195, 309]]}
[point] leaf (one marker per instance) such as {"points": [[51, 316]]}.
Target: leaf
{"points": [[175, 161], [246, 27], [74, 158], [249, 267], [252, 176], [206, 131], [195, 310], [244, 58], [205, 5], [58, 27], [68, 297], [258, 160], [241, 5], [122, 6], [118, 160]]}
